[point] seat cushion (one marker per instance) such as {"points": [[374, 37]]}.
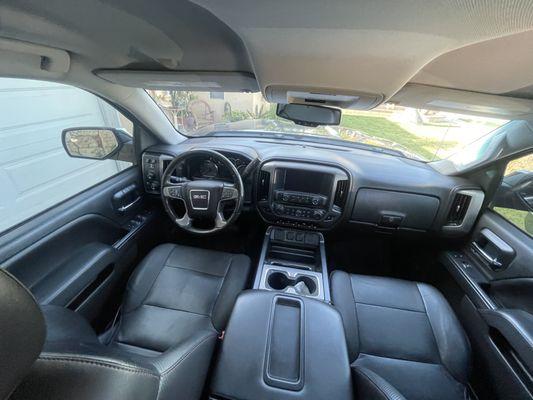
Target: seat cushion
{"points": [[177, 291], [177, 301], [403, 335]]}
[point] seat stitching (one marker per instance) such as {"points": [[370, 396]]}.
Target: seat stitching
{"points": [[184, 356], [429, 321], [124, 368], [394, 308], [153, 282], [190, 268], [157, 350], [355, 313], [221, 284], [373, 383], [175, 309], [444, 369], [396, 358], [124, 343]]}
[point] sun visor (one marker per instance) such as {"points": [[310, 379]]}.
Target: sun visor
{"points": [[464, 102], [28, 60], [208, 81], [320, 96]]}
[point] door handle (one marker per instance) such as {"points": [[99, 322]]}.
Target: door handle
{"points": [[492, 261], [126, 198], [126, 207], [492, 250]]}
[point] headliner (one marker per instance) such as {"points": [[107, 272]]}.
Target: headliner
{"points": [[374, 47]]}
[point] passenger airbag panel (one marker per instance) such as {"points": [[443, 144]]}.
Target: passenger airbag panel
{"points": [[390, 209]]}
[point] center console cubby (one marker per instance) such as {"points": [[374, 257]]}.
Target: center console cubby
{"points": [[293, 262]]}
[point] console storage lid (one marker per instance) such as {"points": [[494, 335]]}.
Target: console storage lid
{"points": [[279, 346]]}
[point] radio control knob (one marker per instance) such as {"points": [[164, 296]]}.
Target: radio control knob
{"points": [[285, 197], [315, 201], [318, 214]]}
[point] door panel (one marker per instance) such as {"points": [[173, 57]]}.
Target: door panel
{"points": [[497, 311], [513, 293], [75, 254]]}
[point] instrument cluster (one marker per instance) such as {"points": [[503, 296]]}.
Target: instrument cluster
{"points": [[210, 168]]}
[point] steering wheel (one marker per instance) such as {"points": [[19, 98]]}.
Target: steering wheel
{"points": [[204, 199]]}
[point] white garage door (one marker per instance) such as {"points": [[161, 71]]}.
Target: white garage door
{"points": [[35, 171]]}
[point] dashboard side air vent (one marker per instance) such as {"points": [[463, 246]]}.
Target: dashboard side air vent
{"points": [[264, 185], [341, 193], [458, 209]]}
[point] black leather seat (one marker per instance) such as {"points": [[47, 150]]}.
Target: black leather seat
{"points": [[177, 302], [403, 338], [22, 332]]}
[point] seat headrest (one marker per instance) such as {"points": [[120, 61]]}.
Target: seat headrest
{"points": [[22, 332]]}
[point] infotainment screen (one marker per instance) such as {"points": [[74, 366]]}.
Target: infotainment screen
{"points": [[296, 180]]}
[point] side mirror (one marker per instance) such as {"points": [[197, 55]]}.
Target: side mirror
{"points": [[516, 191], [306, 115], [94, 143], [525, 192]]}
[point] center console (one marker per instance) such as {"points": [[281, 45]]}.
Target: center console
{"points": [[302, 195], [284, 340], [282, 347], [293, 262]]}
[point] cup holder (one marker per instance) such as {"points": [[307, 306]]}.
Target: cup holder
{"points": [[301, 284]]}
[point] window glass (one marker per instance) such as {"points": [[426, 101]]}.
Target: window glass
{"points": [[514, 198], [415, 133], [35, 171]]}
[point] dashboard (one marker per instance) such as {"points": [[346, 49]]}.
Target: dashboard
{"points": [[200, 167], [319, 187]]}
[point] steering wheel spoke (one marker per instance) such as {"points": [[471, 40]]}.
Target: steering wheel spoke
{"points": [[174, 191], [229, 192], [185, 221], [220, 221]]}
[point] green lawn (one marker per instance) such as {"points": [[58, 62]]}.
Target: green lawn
{"points": [[517, 217], [381, 127]]}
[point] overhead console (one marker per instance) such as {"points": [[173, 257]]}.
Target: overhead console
{"points": [[311, 196]]}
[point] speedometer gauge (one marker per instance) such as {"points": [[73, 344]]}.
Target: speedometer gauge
{"points": [[209, 169]]}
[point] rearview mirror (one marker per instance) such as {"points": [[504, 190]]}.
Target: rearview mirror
{"points": [[306, 115], [94, 143]]}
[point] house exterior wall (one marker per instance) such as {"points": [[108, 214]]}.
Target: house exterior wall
{"points": [[35, 171]]}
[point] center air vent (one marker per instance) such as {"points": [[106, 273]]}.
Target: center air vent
{"points": [[263, 186], [458, 209], [340, 193]]}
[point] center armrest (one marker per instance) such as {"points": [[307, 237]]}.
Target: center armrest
{"points": [[279, 346]]}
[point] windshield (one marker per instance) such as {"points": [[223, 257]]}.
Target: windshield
{"points": [[414, 133]]}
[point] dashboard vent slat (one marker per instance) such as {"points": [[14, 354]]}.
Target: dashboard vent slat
{"points": [[340, 193], [458, 209], [264, 185]]}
